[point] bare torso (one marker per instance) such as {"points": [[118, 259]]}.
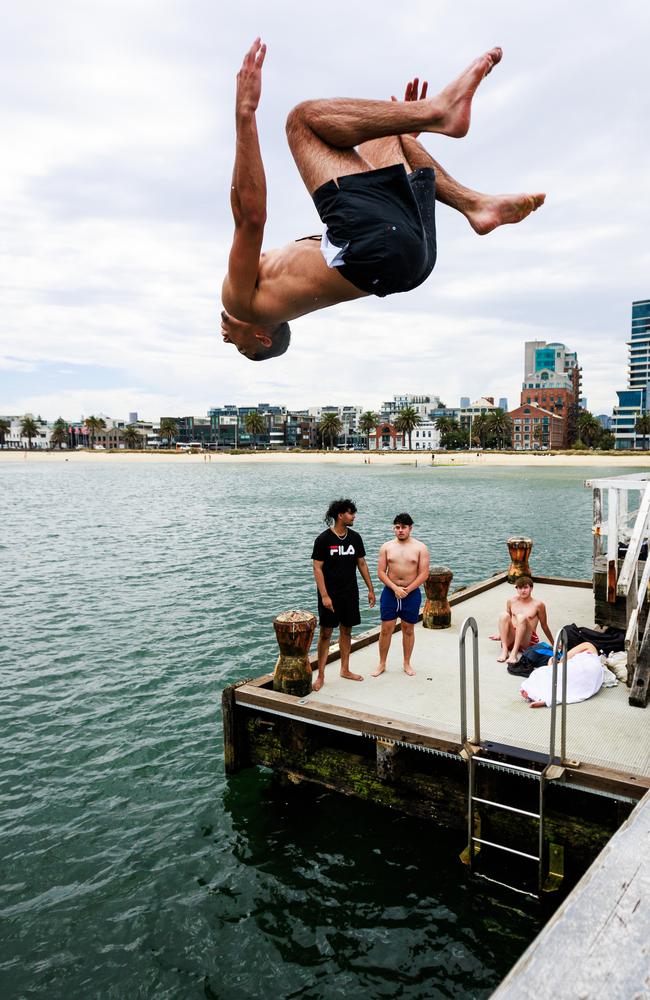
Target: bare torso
{"points": [[403, 560], [529, 608], [292, 281]]}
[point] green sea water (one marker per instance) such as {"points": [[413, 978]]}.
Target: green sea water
{"points": [[130, 867]]}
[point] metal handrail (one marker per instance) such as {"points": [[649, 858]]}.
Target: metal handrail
{"points": [[469, 623], [559, 648]]}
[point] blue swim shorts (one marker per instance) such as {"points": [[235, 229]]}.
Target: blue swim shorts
{"points": [[408, 608]]}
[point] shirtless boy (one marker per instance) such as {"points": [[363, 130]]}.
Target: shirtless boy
{"points": [[374, 187], [520, 619], [403, 566]]}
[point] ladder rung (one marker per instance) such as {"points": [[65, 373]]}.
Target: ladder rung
{"points": [[502, 805], [502, 847], [509, 767]]}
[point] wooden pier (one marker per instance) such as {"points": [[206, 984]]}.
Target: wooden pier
{"points": [[396, 740]]}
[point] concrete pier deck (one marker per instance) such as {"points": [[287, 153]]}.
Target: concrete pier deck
{"points": [[608, 741]]}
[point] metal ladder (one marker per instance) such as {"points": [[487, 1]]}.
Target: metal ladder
{"points": [[478, 756]]}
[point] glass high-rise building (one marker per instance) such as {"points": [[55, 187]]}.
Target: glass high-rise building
{"points": [[634, 402], [639, 345]]}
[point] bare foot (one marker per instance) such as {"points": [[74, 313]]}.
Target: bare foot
{"points": [[514, 659], [408, 669], [492, 211], [318, 683], [504, 656], [495, 638], [351, 677], [538, 704], [379, 671], [457, 97]]}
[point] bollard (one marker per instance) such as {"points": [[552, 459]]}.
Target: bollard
{"points": [[437, 610], [294, 631], [519, 549]]}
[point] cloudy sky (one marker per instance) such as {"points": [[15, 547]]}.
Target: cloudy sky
{"points": [[117, 123]]}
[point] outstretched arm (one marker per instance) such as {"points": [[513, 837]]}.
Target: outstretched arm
{"points": [[248, 191]]}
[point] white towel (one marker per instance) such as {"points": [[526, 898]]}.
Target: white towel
{"points": [[585, 677]]}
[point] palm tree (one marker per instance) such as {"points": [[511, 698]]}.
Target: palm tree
{"points": [[500, 427], [5, 428], [330, 427], [642, 426], [589, 429], [59, 435], [367, 423], [168, 429], [94, 425], [28, 429], [481, 430], [131, 437], [538, 434], [255, 424], [452, 435], [406, 421]]}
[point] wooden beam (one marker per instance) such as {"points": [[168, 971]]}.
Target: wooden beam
{"points": [[597, 521], [234, 741], [347, 720], [640, 689], [612, 544]]}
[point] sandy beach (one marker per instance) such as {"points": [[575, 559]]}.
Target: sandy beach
{"points": [[446, 459]]}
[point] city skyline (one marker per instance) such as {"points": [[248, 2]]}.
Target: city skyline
{"points": [[116, 222]]}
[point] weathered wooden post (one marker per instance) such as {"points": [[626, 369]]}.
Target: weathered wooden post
{"points": [[294, 631], [519, 549], [437, 610]]}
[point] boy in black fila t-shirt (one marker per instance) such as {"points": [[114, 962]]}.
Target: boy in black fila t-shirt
{"points": [[338, 553]]}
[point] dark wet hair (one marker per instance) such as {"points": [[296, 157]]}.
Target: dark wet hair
{"points": [[524, 581], [339, 507], [280, 334], [403, 519]]}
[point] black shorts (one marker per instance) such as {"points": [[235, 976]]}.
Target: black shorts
{"points": [[387, 219], [346, 611]]}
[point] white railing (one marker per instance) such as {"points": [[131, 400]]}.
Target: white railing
{"points": [[626, 521]]}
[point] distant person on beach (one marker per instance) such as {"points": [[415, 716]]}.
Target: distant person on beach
{"points": [[374, 187], [584, 677], [403, 566], [337, 555], [518, 622]]}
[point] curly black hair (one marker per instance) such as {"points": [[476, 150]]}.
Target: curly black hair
{"points": [[339, 507]]}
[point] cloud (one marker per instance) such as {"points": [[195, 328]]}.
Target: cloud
{"points": [[116, 226]]}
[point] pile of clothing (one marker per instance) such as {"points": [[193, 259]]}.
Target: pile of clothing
{"points": [[587, 671]]}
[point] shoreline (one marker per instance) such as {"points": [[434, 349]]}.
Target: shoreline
{"points": [[412, 458]]}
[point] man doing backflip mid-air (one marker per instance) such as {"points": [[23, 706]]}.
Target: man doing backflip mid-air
{"points": [[353, 157]]}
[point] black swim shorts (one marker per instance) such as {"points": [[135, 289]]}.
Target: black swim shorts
{"points": [[346, 610], [386, 221]]}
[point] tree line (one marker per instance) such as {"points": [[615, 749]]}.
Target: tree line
{"points": [[487, 430]]}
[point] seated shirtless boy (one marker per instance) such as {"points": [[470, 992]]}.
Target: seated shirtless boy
{"points": [[519, 621]]}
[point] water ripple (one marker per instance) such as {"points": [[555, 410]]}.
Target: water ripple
{"points": [[130, 867]]}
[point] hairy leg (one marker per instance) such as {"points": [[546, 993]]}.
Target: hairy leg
{"points": [[322, 134], [484, 212]]}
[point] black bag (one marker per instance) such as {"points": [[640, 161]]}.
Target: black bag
{"points": [[611, 640], [531, 658]]}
